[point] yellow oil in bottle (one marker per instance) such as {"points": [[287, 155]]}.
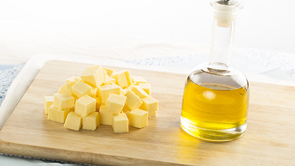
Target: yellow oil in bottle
{"points": [[214, 112]]}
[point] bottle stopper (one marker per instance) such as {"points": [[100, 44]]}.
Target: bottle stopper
{"points": [[226, 11]]}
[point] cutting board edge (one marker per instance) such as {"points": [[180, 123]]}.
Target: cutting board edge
{"points": [[22, 150]]}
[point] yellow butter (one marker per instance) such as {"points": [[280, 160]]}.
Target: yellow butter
{"points": [[109, 81], [63, 101], [139, 91], [106, 117], [67, 88], [133, 101], [93, 75], [124, 79], [119, 99], [115, 76], [122, 91], [71, 79], [120, 123], [146, 87], [73, 121], [150, 105], [97, 103], [94, 92], [85, 105], [81, 88], [57, 115], [137, 79], [138, 118], [77, 79], [127, 114], [115, 103], [105, 91], [128, 88], [125, 109], [48, 101], [72, 109], [109, 71], [91, 121]]}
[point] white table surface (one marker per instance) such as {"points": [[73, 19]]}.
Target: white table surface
{"points": [[263, 24]]}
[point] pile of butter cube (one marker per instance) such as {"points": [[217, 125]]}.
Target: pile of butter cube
{"points": [[102, 96]]}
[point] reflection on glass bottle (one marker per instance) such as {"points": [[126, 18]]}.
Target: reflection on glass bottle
{"points": [[216, 96]]}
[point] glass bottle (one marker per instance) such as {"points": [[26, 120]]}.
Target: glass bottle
{"points": [[216, 96]]}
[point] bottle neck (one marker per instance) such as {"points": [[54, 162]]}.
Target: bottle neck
{"points": [[222, 41]]}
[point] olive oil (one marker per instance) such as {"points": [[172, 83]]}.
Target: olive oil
{"points": [[214, 112], [216, 96]]}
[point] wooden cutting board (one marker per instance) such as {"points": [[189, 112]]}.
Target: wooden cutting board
{"points": [[269, 139]]}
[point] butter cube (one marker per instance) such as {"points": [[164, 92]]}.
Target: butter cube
{"points": [[133, 101], [85, 105], [57, 115], [146, 87], [129, 88], [122, 91], [77, 79], [120, 123], [94, 92], [110, 72], [124, 79], [105, 91], [97, 103], [125, 109], [108, 83], [115, 103], [137, 79], [93, 75], [48, 101], [106, 117], [81, 88], [115, 76], [139, 91], [91, 121], [67, 88], [150, 105], [127, 114], [72, 109], [109, 80], [63, 101], [138, 118], [73, 121], [71, 79]]}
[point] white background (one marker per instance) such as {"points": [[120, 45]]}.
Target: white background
{"points": [[262, 24]]}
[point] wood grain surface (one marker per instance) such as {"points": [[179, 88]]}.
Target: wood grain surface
{"points": [[269, 139]]}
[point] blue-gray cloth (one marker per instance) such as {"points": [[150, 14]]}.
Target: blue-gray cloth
{"points": [[7, 74]]}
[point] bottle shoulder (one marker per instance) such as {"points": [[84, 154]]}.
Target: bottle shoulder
{"points": [[230, 77]]}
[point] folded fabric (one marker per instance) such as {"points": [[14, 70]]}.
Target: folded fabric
{"points": [[7, 75]]}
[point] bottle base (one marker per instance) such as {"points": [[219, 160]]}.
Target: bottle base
{"points": [[213, 135]]}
